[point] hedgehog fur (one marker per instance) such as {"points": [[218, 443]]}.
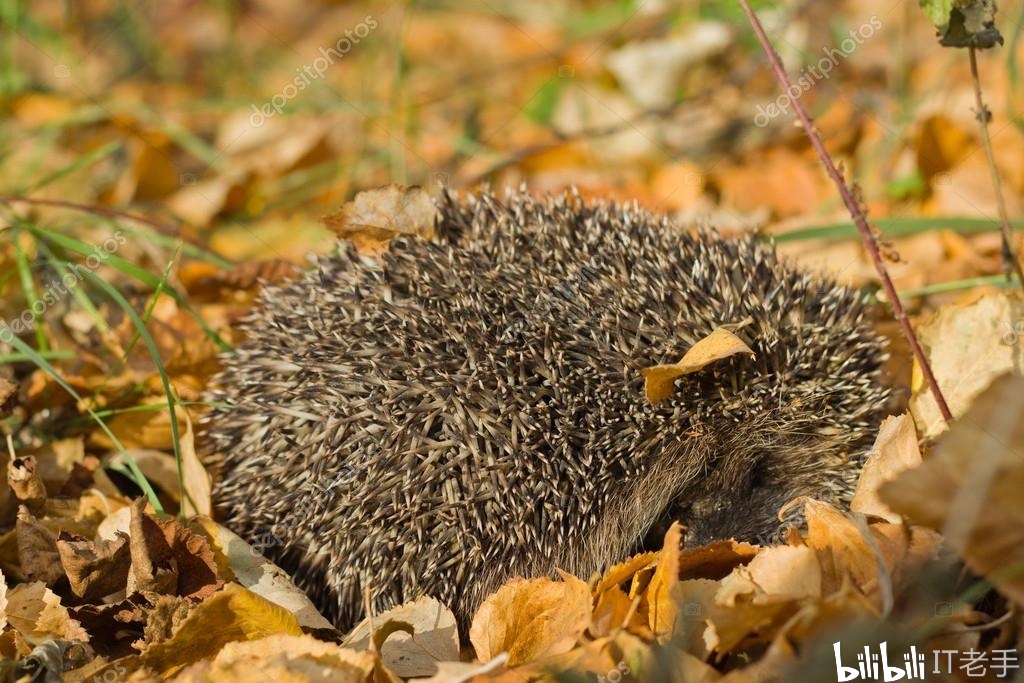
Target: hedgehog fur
{"points": [[461, 411]]}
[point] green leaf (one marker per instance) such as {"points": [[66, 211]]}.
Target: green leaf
{"points": [[938, 11]]}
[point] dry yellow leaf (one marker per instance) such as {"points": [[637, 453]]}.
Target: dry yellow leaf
{"points": [[532, 618], [776, 574], [373, 217], [662, 607], [624, 571], [968, 346], [283, 658], [434, 637], [895, 450], [36, 613], [231, 615], [721, 343]]}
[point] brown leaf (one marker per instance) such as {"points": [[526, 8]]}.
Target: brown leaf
{"points": [[28, 487], [714, 560], [721, 343], [168, 558], [374, 217], [970, 487], [532, 618], [114, 628], [37, 550], [95, 569], [8, 396]]}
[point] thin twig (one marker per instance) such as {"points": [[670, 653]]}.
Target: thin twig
{"points": [[854, 207], [1010, 262]]}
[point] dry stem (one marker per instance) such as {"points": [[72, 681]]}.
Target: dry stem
{"points": [[854, 207], [1010, 261]]}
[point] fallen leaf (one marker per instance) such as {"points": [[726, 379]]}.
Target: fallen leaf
{"points": [[95, 569], [237, 560], [662, 608], [169, 559], [721, 343], [37, 550], [234, 614], [36, 613], [969, 488], [28, 487], [374, 217], [434, 637], [531, 618], [283, 658], [894, 451], [968, 345], [776, 574]]}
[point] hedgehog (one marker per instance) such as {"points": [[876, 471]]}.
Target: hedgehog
{"points": [[459, 411]]}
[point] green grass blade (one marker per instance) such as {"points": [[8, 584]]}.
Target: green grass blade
{"points": [[904, 226], [28, 286], [63, 269], [133, 271], [157, 361], [7, 358], [955, 285]]}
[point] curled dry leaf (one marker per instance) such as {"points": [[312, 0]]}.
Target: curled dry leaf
{"points": [[374, 217], [434, 637], [94, 569], [662, 607], [238, 561], [776, 574], [530, 619], [114, 628], [970, 487], [37, 550], [757, 598], [895, 450], [167, 558], [721, 343], [714, 560], [24, 480]]}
